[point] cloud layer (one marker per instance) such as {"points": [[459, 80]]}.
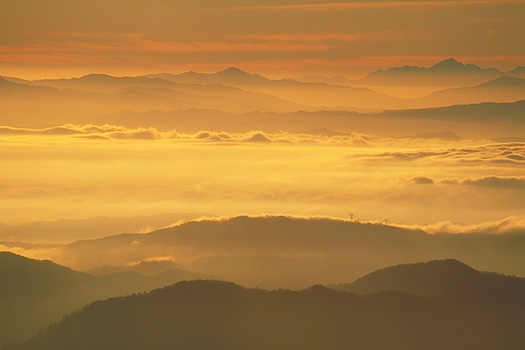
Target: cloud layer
{"points": [[510, 153], [254, 137], [80, 171]]}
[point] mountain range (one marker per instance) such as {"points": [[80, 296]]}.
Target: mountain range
{"points": [[81, 100], [449, 72], [222, 315]]}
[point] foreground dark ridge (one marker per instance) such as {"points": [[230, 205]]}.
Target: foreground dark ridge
{"points": [[34, 293], [445, 281], [221, 315]]}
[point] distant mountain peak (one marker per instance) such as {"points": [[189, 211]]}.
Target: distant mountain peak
{"points": [[449, 61], [449, 64], [233, 70], [96, 76]]}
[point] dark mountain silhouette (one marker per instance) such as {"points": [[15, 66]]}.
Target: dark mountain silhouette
{"points": [[484, 298], [35, 293], [220, 315], [445, 281], [449, 72]]}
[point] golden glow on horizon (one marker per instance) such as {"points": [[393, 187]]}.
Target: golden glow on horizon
{"points": [[339, 38]]}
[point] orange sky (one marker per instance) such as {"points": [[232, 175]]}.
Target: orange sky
{"points": [[275, 38]]}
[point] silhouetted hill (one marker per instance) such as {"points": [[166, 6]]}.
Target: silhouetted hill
{"points": [[34, 293], [447, 281], [220, 315]]}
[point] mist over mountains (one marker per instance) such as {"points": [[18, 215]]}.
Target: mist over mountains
{"points": [[282, 252], [441, 155], [36, 293], [477, 121], [262, 174], [84, 99]]}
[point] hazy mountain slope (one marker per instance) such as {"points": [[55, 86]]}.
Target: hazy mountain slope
{"points": [[9, 88], [449, 73], [66, 231], [219, 315], [306, 93], [218, 94], [82, 99], [502, 89], [337, 80], [35, 293], [482, 120], [231, 76], [273, 252], [485, 120], [517, 72]]}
